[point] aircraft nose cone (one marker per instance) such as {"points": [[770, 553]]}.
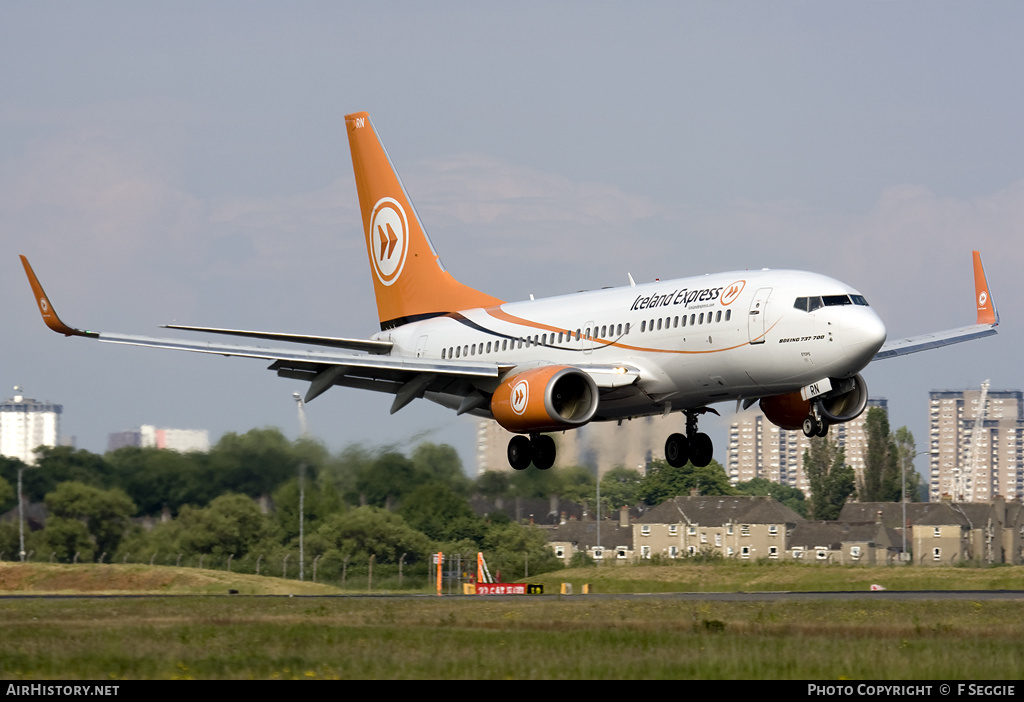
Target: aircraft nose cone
{"points": [[862, 336]]}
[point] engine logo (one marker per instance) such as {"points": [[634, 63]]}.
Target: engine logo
{"points": [[520, 396]]}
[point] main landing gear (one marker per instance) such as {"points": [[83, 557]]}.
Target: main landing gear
{"points": [[694, 447], [538, 449]]}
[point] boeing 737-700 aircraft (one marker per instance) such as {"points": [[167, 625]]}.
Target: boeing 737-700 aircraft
{"points": [[794, 341]]}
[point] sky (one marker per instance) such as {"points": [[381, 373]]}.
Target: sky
{"points": [[187, 162]]}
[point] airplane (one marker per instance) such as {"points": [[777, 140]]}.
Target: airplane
{"points": [[794, 342]]}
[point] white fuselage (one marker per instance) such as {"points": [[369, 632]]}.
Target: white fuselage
{"points": [[689, 342]]}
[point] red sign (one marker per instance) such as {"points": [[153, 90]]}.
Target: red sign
{"points": [[508, 589]]}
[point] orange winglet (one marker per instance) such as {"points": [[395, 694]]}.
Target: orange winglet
{"points": [[46, 309], [987, 313]]}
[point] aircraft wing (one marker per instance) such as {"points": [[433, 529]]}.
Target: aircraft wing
{"points": [[988, 320], [405, 377]]}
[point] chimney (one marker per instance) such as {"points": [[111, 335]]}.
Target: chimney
{"points": [[624, 517]]}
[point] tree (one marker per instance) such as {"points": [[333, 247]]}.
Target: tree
{"points": [[232, 524], [60, 464], [64, 539], [441, 462], [620, 487], [367, 531], [906, 450], [254, 463], [492, 484], [831, 480], [790, 496], [881, 479], [577, 484], [7, 500], [105, 513], [383, 482], [439, 512], [155, 478], [663, 482]]}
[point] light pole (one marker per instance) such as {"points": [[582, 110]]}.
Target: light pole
{"points": [[304, 427]]}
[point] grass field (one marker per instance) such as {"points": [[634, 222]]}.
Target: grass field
{"points": [[578, 637]]}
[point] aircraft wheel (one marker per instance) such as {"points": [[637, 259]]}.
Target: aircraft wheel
{"points": [[543, 452], [811, 426], [677, 450], [702, 449], [520, 452], [822, 430]]}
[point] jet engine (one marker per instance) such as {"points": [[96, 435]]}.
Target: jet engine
{"points": [[550, 398], [846, 400]]}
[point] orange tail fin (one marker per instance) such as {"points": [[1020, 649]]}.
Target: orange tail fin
{"points": [[408, 279], [987, 313]]}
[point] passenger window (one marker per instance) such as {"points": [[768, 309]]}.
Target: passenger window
{"points": [[693, 319], [718, 316], [659, 323], [458, 352], [488, 347], [700, 320], [728, 315], [442, 353], [627, 327], [643, 325]]}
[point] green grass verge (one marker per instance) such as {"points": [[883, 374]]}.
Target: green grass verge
{"points": [[779, 577], [508, 638]]}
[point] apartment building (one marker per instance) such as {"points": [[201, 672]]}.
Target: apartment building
{"points": [[759, 449], [975, 444], [26, 424]]}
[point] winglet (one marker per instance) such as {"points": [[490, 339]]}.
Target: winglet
{"points": [[987, 313], [46, 309]]}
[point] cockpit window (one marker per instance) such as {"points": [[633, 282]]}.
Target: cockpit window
{"points": [[809, 304]]}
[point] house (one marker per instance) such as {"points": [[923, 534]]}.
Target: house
{"points": [[946, 533], [732, 527], [607, 541], [844, 543]]}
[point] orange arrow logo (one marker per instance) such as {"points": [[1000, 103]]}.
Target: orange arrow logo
{"points": [[388, 242]]}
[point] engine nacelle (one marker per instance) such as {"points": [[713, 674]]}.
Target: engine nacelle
{"points": [[550, 398], [844, 402]]}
